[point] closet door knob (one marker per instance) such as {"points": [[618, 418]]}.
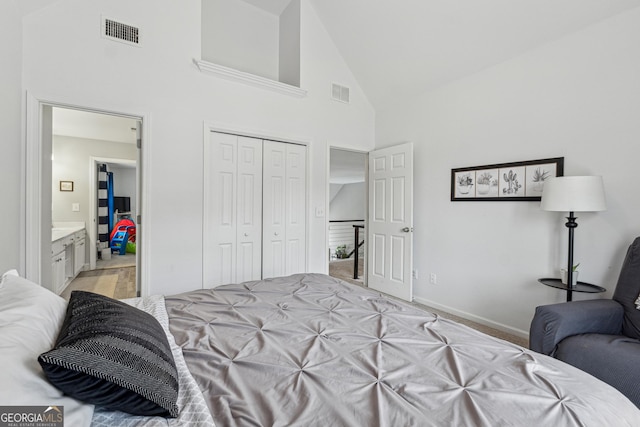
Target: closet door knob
{"points": [[246, 234], [276, 233]]}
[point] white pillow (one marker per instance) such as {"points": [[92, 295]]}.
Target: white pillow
{"points": [[30, 318], [7, 274]]}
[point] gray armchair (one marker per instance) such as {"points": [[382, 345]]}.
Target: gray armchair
{"points": [[601, 337]]}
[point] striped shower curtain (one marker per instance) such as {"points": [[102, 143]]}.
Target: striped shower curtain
{"points": [[105, 206]]}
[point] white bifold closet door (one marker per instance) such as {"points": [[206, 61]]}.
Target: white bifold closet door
{"points": [[254, 209], [284, 209], [232, 210]]}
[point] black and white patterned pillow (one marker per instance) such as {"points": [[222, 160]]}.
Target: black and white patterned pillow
{"points": [[111, 354]]}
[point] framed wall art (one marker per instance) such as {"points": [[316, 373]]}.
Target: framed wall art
{"points": [[516, 181], [66, 185]]}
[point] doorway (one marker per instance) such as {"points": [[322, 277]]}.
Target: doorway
{"points": [[347, 215], [63, 143]]}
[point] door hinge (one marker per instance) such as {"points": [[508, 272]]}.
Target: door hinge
{"points": [[139, 134], [138, 219]]}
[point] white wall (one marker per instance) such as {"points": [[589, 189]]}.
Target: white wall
{"points": [[241, 36], [124, 184], [349, 202], [343, 233], [289, 44], [578, 97], [72, 163], [10, 134], [159, 80]]}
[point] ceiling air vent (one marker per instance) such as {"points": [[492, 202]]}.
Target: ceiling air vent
{"points": [[120, 32], [339, 93]]}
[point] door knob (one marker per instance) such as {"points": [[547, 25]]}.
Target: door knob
{"points": [[407, 229], [276, 233], [246, 234]]}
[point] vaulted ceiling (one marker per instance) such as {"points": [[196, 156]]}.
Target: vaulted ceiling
{"points": [[26, 7], [397, 48]]}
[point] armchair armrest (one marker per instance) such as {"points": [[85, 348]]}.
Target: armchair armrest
{"points": [[553, 323]]}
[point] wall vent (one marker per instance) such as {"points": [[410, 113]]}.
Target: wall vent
{"points": [[339, 93], [120, 32]]}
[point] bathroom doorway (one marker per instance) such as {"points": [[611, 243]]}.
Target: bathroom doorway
{"points": [[86, 146]]}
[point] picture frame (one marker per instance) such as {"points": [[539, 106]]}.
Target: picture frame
{"points": [[504, 182], [66, 185]]}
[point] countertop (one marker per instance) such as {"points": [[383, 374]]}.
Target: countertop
{"points": [[61, 230]]}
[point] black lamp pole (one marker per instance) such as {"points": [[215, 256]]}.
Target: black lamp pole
{"points": [[571, 225]]}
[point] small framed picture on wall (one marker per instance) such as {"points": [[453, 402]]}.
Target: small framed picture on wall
{"points": [[66, 185]]}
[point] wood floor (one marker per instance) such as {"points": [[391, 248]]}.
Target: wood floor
{"points": [[125, 286]]}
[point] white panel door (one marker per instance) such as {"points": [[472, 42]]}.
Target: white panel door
{"points": [[249, 210], [274, 192], [390, 237], [284, 209], [295, 213], [232, 209]]}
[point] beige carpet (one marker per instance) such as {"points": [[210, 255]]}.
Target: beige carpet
{"points": [[524, 342], [103, 285], [343, 269]]}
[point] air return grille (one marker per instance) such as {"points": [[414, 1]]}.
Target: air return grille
{"points": [[339, 93], [118, 31]]}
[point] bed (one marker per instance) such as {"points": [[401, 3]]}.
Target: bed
{"points": [[310, 350]]}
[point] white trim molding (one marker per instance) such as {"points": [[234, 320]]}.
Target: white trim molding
{"points": [[248, 78], [486, 322], [273, 135], [32, 180], [92, 226], [35, 184]]}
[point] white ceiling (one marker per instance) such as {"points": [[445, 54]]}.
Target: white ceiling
{"points": [[87, 125], [397, 48], [274, 7]]}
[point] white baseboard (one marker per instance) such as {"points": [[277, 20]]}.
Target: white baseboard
{"points": [[486, 322]]}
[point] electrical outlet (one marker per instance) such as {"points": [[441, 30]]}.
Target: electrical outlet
{"points": [[414, 273], [433, 279]]}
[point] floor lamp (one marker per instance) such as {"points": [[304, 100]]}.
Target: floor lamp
{"points": [[573, 194]]}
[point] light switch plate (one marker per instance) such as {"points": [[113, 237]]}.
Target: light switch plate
{"points": [[75, 207]]}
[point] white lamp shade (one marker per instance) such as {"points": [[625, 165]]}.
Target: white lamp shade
{"points": [[573, 194]]}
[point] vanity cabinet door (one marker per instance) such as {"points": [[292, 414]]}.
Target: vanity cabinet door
{"points": [[58, 272], [79, 252]]}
